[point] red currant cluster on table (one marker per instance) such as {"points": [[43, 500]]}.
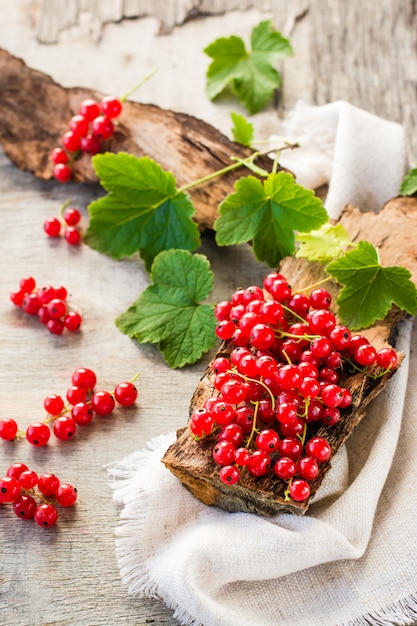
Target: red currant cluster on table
{"points": [[31, 493], [48, 303], [92, 125], [83, 402], [71, 218], [279, 379]]}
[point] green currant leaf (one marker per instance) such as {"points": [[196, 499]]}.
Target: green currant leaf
{"points": [[267, 213], [251, 75], [142, 212], [409, 184], [169, 313], [323, 245], [242, 130], [369, 289]]}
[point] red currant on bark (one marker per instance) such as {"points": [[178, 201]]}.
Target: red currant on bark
{"points": [[299, 490], [319, 449], [229, 474], [89, 109], [62, 172], [111, 106]]}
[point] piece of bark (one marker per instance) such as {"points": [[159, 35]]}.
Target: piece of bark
{"points": [[35, 112], [392, 231]]}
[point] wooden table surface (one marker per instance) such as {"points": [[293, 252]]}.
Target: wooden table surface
{"points": [[362, 52]]}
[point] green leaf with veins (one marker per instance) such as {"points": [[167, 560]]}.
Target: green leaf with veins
{"points": [[251, 75], [142, 212], [409, 184], [242, 130], [369, 289], [323, 245], [169, 313], [267, 213]]}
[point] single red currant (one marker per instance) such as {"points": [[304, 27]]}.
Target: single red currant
{"points": [[229, 474], [102, 403], [387, 358], [58, 155], [25, 506], [224, 452], [8, 428], [85, 378], [62, 172], [201, 423], [299, 490], [72, 321], [28, 479], [66, 494], [48, 484], [79, 126], [71, 216], [319, 449], [16, 469], [82, 413], [111, 106], [9, 490], [64, 427], [76, 394], [285, 468], [55, 327], [46, 515], [125, 393], [38, 434], [72, 235], [102, 127], [307, 468], [53, 404], [260, 463], [71, 141], [89, 109], [267, 440]]}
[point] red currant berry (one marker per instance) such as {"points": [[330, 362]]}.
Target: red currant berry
{"points": [[234, 391], [309, 387], [259, 464], [320, 298], [290, 447], [223, 413], [66, 495], [231, 432], [286, 413], [38, 434], [222, 310], [285, 468], [8, 429], [79, 125], [292, 429], [90, 144], [62, 172], [330, 416], [64, 427], [244, 416], [201, 423], [229, 474], [72, 321], [321, 347], [85, 378], [242, 456], [365, 355], [82, 413], [321, 322], [355, 342], [289, 376], [225, 330], [31, 304], [28, 479], [125, 393], [9, 490], [224, 452], [269, 279], [25, 506], [299, 303], [280, 290], [56, 308], [55, 327], [17, 297], [53, 404], [46, 515], [299, 490], [220, 365], [308, 468], [48, 484], [267, 440], [340, 337], [262, 336], [319, 449], [58, 155], [102, 403], [387, 358], [271, 312], [89, 109], [332, 395], [71, 141], [71, 216], [76, 394], [16, 469], [27, 284], [111, 106], [102, 127], [72, 235]]}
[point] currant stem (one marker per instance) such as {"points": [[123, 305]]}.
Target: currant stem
{"points": [[139, 84], [255, 380], [253, 431], [314, 285], [64, 206]]}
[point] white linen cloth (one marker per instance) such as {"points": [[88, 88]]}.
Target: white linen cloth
{"points": [[352, 559]]}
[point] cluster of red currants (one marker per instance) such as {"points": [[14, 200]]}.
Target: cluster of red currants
{"points": [[48, 303], [279, 381], [71, 218], [87, 130], [28, 492], [83, 403]]}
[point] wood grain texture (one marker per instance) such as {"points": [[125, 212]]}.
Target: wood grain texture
{"points": [[365, 53]]}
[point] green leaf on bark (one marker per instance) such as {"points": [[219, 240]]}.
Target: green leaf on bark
{"points": [[251, 74], [169, 312], [142, 212], [323, 245], [268, 213], [369, 289]]}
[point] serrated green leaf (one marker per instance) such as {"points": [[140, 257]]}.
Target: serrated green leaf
{"points": [[242, 130], [323, 245], [409, 184], [142, 212], [267, 214], [169, 313], [251, 75], [369, 289]]}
